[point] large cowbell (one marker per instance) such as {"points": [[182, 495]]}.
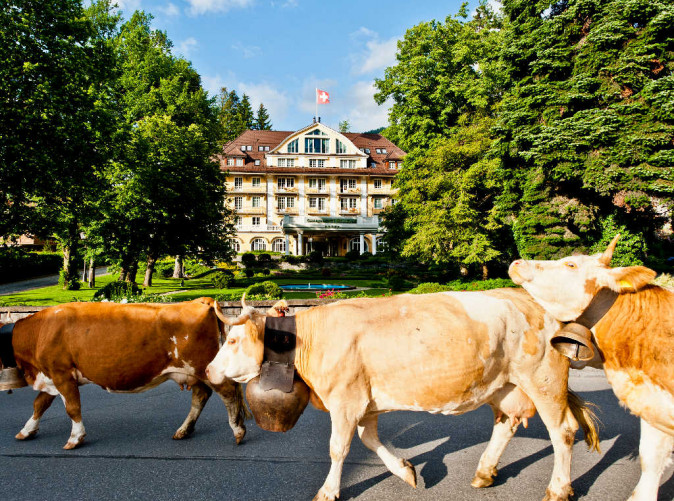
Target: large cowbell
{"points": [[278, 396], [10, 376], [574, 341]]}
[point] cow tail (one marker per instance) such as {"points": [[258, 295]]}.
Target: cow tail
{"points": [[584, 412], [244, 412]]}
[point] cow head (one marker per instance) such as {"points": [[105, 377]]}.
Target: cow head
{"points": [[566, 286], [241, 356]]}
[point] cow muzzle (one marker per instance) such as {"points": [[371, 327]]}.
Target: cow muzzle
{"points": [[574, 341]]}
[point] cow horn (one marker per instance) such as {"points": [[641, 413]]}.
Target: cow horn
{"points": [[243, 301], [574, 341], [605, 258]]}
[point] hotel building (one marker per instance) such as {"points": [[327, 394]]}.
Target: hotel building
{"points": [[312, 189]]}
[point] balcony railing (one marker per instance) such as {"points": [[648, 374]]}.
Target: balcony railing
{"points": [[258, 227], [288, 210], [248, 189], [251, 210], [351, 191], [292, 189]]}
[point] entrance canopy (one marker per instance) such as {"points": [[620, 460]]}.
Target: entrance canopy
{"points": [[330, 224]]}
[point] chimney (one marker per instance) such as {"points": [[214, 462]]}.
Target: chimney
{"points": [[314, 120], [319, 119]]}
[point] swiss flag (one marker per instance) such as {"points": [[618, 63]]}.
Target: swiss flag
{"points": [[322, 97]]}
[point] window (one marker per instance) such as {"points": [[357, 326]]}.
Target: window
{"points": [[347, 203], [266, 148], [378, 203], [286, 162], [347, 184], [316, 145], [256, 182], [239, 162], [293, 146], [316, 132], [243, 147], [238, 183], [340, 146], [354, 244], [278, 245], [347, 164], [256, 201], [378, 150], [235, 245], [257, 162], [281, 162], [383, 150], [249, 148], [258, 244], [317, 203], [238, 203], [317, 183], [284, 183], [377, 184], [230, 161], [256, 221], [285, 203], [367, 150], [316, 163], [238, 221], [392, 165], [260, 148]]}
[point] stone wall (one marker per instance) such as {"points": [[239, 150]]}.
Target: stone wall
{"points": [[231, 308]]}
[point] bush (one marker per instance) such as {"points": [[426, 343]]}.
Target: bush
{"points": [[194, 268], [248, 259], [366, 255], [74, 283], [326, 272], [117, 290], [263, 258], [460, 285], [222, 279], [352, 255], [315, 257], [164, 268], [16, 264], [266, 271], [265, 290], [249, 272], [429, 288], [291, 259], [396, 283]]}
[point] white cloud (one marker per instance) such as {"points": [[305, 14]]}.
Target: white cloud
{"points": [[375, 55], [361, 110], [276, 101], [307, 101], [169, 10], [247, 52], [186, 47], [287, 4], [203, 6]]}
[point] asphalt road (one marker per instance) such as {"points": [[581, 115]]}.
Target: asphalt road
{"points": [[129, 454], [37, 283]]}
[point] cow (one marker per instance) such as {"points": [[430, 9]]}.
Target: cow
{"points": [[122, 348], [635, 340], [443, 353]]}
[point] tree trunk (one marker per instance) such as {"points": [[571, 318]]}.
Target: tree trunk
{"points": [[91, 279], [133, 270], [178, 268], [463, 271], [485, 272], [149, 270], [67, 266]]}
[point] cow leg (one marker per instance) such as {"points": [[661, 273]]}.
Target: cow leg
{"points": [[41, 404], [232, 395], [70, 393], [367, 431], [655, 448], [501, 435], [200, 395], [340, 442]]}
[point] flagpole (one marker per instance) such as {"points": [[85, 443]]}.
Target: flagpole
{"points": [[316, 99]]}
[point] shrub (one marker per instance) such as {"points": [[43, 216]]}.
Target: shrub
{"points": [[73, 285], [222, 279], [194, 268], [396, 283], [265, 290], [326, 272], [429, 288], [164, 268], [266, 271], [352, 255], [16, 264], [263, 258], [117, 290], [315, 257], [248, 259], [249, 272], [366, 255]]}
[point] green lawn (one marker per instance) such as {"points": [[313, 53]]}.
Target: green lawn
{"points": [[194, 288]]}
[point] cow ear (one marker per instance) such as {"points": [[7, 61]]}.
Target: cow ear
{"points": [[275, 311], [629, 278]]}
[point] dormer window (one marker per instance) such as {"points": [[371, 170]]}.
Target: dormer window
{"points": [[340, 147], [367, 150], [383, 150], [293, 146], [316, 132], [316, 145], [243, 147], [378, 150]]}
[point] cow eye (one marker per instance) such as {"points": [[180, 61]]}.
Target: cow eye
{"points": [[231, 340], [570, 264]]}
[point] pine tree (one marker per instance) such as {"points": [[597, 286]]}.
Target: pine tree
{"points": [[245, 115], [262, 121]]}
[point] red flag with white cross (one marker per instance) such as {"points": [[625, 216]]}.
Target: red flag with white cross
{"points": [[322, 97]]}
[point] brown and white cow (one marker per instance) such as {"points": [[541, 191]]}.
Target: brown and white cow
{"points": [[443, 353], [635, 340], [123, 348]]}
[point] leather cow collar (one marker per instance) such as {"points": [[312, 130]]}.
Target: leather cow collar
{"points": [[278, 365], [574, 340], [6, 349]]}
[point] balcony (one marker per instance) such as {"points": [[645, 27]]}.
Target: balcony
{"points": [[349, 191], [317, 212], [258, 228], [291, 190], [351, 212], [288, 210], [322, 191], [252, 210], [247, 189], [329, 224]]}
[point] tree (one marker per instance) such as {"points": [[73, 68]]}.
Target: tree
{"points": [[57, 63], [262, 121], [344, 126], [228, 104], [245, 115], [586, 130]]}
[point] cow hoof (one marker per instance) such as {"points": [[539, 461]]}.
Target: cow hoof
{"points": [[238, 436], [26, 436], [74, 443], [409, 474], [182, 433], [322, 496], [481, 480], [565, 495]]}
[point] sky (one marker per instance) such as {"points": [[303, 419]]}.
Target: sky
{"points": [[279, 51]]}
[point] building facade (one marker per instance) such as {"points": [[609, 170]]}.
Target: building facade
{"points": [[312, 189]]}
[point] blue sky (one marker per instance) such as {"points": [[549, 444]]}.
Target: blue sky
{"points": [[279, 51]]}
